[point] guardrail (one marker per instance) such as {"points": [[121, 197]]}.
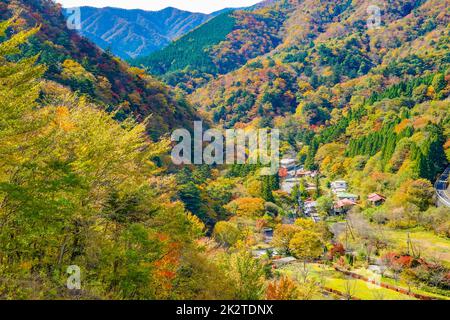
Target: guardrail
{"points": [[441, 194]]}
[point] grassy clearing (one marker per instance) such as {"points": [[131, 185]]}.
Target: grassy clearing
{"points": [[338, 281], [427, 243], [387, 280]]}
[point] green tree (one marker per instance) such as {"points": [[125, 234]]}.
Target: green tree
{"points": [[324, 205], [306, 245], [269, 183], [226, 233], [420, 192], [190, 194], [247, 276], [438, 82], [79, 188]]}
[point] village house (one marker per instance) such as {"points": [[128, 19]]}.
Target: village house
{"points": [[283, 261], [288, 164], [376, 199], [346, 195], [339, 186], [288, 184], [292, 173], [302, 173], [343, 206], [310, 209], [289, 173], [305, 173]]}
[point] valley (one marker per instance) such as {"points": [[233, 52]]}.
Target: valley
{"points": [[357, 209], [133, 33]]}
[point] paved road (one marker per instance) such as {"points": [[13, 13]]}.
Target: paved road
{"points": [[441, 188]]}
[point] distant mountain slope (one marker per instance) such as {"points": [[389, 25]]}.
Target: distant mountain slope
{"points": [[219, 46], [358, 100], [132, 33], [78, 64], [327, 52], [190, 50]]}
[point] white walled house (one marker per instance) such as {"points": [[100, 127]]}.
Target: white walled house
{"points": [[289, 163], [339, 186]]}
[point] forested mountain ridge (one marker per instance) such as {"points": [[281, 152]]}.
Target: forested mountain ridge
{"points": [[91, 208], [132, 33], [324, 46], [75, 62], [219, 46], [364, 104], [79, 188], [334, 80], [358, 103]]}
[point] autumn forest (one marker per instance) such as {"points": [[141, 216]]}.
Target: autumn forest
{"points": [[92, 205]]}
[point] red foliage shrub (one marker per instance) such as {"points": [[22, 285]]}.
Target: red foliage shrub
{"points": [[404, 261], [336, 251]]}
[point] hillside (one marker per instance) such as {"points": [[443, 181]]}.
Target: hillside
{"points": [[77, 63], [369, 106], [338, 85], [91, 208], [81, 197], [366, 107], [133, 33], [217, 47], [338, 47]]}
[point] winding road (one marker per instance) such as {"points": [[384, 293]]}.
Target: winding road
{"points": [[441, 188]]}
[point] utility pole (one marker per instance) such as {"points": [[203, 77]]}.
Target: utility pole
{"points": [[408, 242], [346, 234], [410, 246]]}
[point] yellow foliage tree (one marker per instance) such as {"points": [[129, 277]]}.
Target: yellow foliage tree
{"points": [[250, 207], [282, 289], [306, 245]]}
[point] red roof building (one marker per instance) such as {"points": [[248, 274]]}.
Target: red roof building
{"points": [[302, 173], [344, 203], [282, 172], [342, 206], [376, 198]]}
